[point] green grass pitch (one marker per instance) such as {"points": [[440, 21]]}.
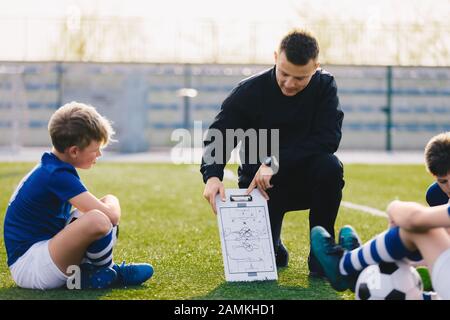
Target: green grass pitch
{"points": [[166, 222]]}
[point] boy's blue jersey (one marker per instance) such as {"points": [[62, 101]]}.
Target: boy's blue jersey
{"points": [[435, 196], [39, 207]]}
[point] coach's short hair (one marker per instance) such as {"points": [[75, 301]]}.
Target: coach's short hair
{"points": [[299, 47], [78, 124], [437, 154]]}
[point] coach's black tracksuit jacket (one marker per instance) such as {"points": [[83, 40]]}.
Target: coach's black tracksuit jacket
{"points": [[309, 123]]}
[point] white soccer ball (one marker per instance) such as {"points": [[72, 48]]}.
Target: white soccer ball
{"points": [[389, 281]]}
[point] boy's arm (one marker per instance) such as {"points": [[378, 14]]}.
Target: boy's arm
{"points": [[416, 217], [109, 205]]}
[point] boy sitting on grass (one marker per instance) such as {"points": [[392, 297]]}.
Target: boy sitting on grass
{"points": [[41, 245], [415, 231]]}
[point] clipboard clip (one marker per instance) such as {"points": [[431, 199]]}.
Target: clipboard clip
{"points": [[241, 198]]}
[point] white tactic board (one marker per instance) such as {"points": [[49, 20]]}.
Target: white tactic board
{"points": [[245, 236]]}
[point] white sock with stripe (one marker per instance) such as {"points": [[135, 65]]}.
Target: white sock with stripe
{"points": [[386, 247], [100, 252]]}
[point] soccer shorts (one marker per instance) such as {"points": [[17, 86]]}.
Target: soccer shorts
{"points": [[35, 269]]}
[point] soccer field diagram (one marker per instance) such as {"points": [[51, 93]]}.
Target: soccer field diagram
{"points": [[247, 240]]}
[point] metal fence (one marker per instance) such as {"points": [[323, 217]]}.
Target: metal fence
{"points": [[386, 108]]}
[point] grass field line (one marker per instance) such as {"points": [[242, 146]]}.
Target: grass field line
{"points": [[229, 175], [363, 208]]}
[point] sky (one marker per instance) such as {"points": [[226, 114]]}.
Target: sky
{"points": [[34, 21], [387, 10], [192, 9]]}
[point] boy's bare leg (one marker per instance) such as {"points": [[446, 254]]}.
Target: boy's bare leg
{"points": [[431, 243], [68, 247]]}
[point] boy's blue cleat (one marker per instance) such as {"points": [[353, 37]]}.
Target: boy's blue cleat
{"points": [[93, 277], [132, 274], [329, 254]]}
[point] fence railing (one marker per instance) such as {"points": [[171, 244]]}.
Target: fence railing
{"points": [[386, 108]]}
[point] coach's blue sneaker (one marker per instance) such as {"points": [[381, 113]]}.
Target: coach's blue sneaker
{"points": [[328, 255], [132, 274], [93, 277], [349, 240]]}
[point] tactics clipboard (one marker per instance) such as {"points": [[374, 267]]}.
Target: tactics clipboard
{"points": [[245, 236]]}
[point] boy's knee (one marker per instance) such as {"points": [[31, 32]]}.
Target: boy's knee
{"points": [[99, 222], [119, 214]]}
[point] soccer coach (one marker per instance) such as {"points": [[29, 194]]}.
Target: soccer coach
{"points": [[300, 100]]}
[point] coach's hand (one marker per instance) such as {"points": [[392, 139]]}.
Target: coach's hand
{"points": [[262, 180], [214, 186]]}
